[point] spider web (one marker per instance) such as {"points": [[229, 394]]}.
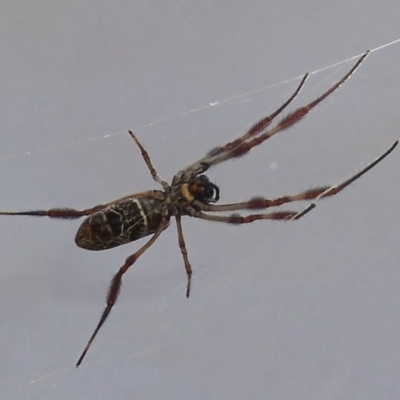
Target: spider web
{"points": [[157, 313]]}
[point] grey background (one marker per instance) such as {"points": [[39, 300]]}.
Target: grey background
{"points": [[307, 310]]}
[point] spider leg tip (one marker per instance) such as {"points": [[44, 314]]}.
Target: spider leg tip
{"points": [[393, 146]]}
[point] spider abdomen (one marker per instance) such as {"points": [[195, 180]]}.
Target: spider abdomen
{"points": [[120, 223]]}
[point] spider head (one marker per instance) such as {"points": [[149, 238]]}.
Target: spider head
{"points": [[200, 188]]}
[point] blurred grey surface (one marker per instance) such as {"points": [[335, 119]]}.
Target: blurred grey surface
{"points": [[302, 310]]}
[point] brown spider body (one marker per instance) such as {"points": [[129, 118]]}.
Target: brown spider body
{"points": [[191, 194], [131, 218], [120, 223]]}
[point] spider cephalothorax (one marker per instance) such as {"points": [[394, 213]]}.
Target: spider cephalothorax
{"points": [[148, 213], [201, 189]]}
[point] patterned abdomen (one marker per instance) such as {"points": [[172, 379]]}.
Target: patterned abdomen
{"points": [[120, 223]]}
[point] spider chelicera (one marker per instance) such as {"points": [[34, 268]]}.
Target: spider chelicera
{"points": [[192, 194]]}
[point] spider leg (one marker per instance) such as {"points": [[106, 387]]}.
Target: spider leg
{"points": [[115, 285], [259, 126], [289, 120], [71, 213], [58, 213], [262, 203], [259, 202], [310, 194], [147, 160], [182, 246], [335, 189], [202, 165], [237, 219], [244, 144]]}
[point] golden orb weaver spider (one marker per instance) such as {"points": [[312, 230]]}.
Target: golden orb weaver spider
{"points": [[191, 193]]}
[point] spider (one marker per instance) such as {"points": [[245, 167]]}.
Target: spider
{"points": [[192, 194]]}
